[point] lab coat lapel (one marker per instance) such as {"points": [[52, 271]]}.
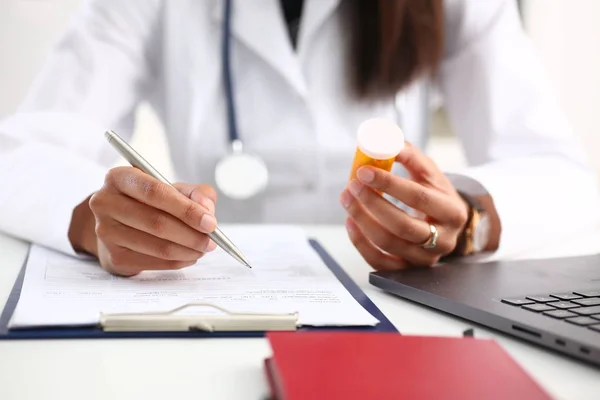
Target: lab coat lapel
{"points": [[314, 14], [259, 24]]}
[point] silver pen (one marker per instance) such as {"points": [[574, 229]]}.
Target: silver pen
{"points": [[136, 160]]}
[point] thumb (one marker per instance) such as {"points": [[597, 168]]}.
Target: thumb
{"points": [[205, 195]]}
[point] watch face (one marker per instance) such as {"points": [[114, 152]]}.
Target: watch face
{"points": [[481, 234]]}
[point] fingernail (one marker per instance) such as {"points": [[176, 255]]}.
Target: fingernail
{"points": [[208, 204], [211, 246], [355, 188], [208, 223], [345, 199], [365, 174]]}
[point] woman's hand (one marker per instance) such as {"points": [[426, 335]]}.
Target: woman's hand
{"points": [[387, 237], [140, 223]]}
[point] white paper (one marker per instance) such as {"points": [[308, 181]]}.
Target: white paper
{"points": [[287, 276]]}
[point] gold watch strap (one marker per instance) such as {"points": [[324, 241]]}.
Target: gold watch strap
{"points": [[464, 245]]}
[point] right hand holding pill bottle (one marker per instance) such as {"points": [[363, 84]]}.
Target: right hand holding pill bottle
{"points": [[379, 141]]}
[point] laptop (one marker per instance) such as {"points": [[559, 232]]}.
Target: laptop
{"points": [[554, 303]]}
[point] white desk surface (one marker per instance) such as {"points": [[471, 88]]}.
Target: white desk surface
{"points": [[233, 368]]}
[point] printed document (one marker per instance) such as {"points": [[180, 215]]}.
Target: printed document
{"points": [[287, 276]]}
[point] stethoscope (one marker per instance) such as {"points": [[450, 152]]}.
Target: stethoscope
{"points": [[239, 175]]}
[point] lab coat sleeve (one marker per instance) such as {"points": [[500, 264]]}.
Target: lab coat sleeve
{"points": [[518, 143], [53, 154]]}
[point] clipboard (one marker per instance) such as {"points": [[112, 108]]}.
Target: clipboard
{"points": [[152, 325]]}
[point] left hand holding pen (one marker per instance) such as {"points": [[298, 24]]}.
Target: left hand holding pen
{"points": [[386, 236]]}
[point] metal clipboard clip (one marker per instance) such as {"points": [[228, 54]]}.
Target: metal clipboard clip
{"points": [[166, 321]]}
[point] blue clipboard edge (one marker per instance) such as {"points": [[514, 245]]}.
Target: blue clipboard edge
{"points": [[92, 332]]}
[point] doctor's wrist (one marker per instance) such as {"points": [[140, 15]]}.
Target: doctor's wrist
{"points": [[82, 230], [482, 229]]}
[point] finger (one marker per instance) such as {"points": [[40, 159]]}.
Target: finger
{"points": [[377, 234], [382, 240], [416, 256], [389, 216], [155, 222], [431, 202], [204, 195], [144, 243], [417, 163], [126, 262], [372, 255], [412, 253], [148, 190]]}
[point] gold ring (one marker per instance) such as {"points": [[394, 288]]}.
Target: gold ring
{"points": [[432, 241]]}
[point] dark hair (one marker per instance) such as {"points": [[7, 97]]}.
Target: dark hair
{"points": [[392, 43]]}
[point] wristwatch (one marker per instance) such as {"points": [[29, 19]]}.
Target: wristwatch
{"points": [[476, 234]]}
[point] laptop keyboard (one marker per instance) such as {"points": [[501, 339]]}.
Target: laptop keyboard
{"points": [[581, 308]]}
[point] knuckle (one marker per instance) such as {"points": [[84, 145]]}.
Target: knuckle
{"points": [[192, 212], [110, 178], [102, 230], [158, 224], [96, 202], [422, 198], [165, 250], [459, 218], [153, 190], [368, 197], [352, 211], [385, 181], [114, 175], [363, 197], [99, 202]]}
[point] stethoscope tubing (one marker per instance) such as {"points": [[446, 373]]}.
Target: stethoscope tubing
{"points": [[227, 75]]}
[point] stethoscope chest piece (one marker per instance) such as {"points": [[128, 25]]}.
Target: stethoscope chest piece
{"points": [[238, 175], [241, 175]]}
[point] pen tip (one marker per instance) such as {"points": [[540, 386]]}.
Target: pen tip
{"points": [[244, 261]]}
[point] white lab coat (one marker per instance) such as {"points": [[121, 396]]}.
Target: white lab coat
{"points": [[292, 110]]}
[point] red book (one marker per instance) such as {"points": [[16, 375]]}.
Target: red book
{"points": [[357, 365]]}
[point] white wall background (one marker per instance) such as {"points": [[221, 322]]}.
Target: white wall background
{"points": [[28, 30], [563, 31], [567, 36]]}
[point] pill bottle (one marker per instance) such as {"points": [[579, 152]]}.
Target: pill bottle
{"points": [[379, 141]]}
